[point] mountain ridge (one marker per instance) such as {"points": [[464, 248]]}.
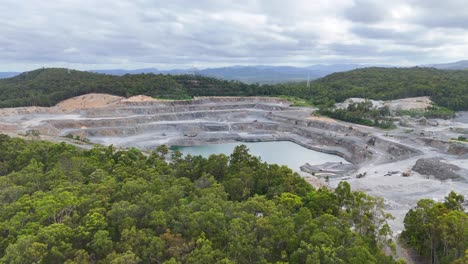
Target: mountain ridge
{"points": [[262, 74], [458, 65]]}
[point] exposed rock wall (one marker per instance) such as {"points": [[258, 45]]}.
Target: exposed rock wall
{"points": [[141, 110], [450, 147], [435, 167], [458, 148]]}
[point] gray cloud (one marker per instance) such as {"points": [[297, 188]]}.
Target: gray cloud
{"points": [[366, 11], [403, 38], [441, 14], [184, 33]]}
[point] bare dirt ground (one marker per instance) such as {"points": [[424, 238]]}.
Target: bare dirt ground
{"points": [[314, 181], [5, 127], [96, 100], [92, 100], [138, 99], [422, 102], [412, 103]]}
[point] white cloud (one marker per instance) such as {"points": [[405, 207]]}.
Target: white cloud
{"points": [[90, 34]]}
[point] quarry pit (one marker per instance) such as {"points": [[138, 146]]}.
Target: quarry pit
{"points": [[401, 165]]}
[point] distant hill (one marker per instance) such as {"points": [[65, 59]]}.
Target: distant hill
{"points": [[459, 65], [8, 74], [275, 74], [259, 74], [120, 72], [247, 74], [250, 74]]}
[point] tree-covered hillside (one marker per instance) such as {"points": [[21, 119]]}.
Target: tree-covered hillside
{"points": [[446, 88], [45, 87], [61, 204]]}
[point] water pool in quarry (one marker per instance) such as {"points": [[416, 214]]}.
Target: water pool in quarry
{"points": [[278, 152]]}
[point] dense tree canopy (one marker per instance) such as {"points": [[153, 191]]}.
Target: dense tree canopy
{"points": [[61, 204], [46, 87], [448, 88], [439, 230]]}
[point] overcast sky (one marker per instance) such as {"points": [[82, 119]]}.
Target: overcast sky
{"points": [[91, 34]]}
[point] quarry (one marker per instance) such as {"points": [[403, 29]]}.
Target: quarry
{"points": [[417, 160]]}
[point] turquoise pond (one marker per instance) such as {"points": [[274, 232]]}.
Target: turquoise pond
{"points": [[279, 152]]}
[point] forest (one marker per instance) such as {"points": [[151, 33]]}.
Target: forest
{"points": [[46, 87], [447, 88], [438, 230], [62, 204]]}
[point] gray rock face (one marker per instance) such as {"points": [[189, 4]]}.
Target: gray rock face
{"points": [[422, 121], [148, 124], [458, 149], [427, 122], [405, 121], [332, 168], [438, 169], [432, 122]]}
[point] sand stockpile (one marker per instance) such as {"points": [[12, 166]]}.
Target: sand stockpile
{"points": [[138, 98], [95, 100], [92, 100]]}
